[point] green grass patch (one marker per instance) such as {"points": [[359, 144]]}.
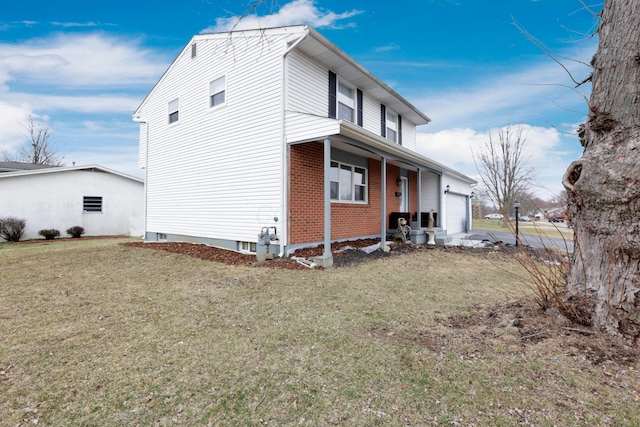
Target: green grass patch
{"points": [[96, 333]]}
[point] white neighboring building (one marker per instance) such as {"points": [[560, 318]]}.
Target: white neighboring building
{"points": [[102, 201]]}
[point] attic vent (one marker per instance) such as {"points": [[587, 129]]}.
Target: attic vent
{"points": [[193, 50], [91, 204]]}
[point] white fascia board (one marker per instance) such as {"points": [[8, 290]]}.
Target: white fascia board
{"points": [[68, 169]]}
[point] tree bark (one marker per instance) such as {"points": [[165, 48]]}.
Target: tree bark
{"points": [[604, 185]]}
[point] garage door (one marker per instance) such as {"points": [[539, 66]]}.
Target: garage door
{"points": [[456, 214]]}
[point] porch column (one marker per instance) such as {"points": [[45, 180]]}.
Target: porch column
{"points": [[327, 257], [419, 198], [383, 186]]}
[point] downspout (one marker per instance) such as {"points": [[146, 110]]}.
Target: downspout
{"points": [[146, 172], [285, 163]]}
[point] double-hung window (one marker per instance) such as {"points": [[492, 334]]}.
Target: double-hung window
{"points": [[217, 91], [348, 183], [392, 126], [174, 107], [346, 102]]}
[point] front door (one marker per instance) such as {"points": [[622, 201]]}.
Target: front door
{"points": [[404, 194]]}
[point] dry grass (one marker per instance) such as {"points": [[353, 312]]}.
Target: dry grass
{"points": [[96, 333]]}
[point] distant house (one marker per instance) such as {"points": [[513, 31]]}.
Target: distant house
{"points": [[280, 128], [102, 201], [19, 166]]}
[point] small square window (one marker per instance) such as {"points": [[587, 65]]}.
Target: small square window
{"points": [[92, 204], [161, 237], [174, 107], [248, 247]]}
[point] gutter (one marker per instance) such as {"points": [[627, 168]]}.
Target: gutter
{"points": [[136, 118], [285, 165]]}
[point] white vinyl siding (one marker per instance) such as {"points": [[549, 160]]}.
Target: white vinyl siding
{"points": [[222, 177], [430, 188], [408, 134]]}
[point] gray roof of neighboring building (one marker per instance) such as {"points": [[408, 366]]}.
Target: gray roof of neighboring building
{"points": [[19, 166]]}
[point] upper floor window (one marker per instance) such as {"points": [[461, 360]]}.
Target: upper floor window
{"points": [[217, 91], [193, 50], [346, 102], [392, 126], [348, 182], [174, 107]]}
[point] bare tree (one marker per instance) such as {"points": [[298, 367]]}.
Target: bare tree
{"points": [[38, 149], [503, 167], [603, 186]]}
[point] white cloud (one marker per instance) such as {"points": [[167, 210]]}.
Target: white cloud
{"points": [[543, 148], [92, 60], [509, 95], [295, 12], [386, 48], [12, 118]]}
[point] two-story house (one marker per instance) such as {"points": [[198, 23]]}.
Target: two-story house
{"points": [[280, 128]]}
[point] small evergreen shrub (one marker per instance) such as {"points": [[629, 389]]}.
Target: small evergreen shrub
{"points": [[12, 229], [49, 234], [76, 231]]}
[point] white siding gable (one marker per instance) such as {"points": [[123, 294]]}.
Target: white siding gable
{"points": [[217, 171]]}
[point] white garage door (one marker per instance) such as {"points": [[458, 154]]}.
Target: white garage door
{"points": [[456, 214]]}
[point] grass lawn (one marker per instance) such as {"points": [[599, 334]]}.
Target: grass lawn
{"points": [[93, 333]]}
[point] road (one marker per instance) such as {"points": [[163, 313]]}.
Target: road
{"points": [[532, 240]]}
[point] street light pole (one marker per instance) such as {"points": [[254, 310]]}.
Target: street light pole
{"points": [[516, 205]]}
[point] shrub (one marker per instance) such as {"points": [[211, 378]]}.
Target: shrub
{"points": [[12, 229], [49, 234], [76, 231]]}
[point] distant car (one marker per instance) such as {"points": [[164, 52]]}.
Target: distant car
{"points": [[524, 218], [556, 218], [494, 216]]}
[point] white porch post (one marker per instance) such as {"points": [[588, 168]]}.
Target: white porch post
{"points": [[419, 198], [326, 260], [383, 186]]}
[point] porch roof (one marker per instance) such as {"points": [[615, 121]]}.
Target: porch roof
{"points": [[356, 139]]}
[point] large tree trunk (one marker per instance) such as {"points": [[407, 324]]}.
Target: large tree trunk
{"points": [[604, 185]]}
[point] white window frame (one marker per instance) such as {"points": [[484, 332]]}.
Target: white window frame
{"points": [[392, 125], [352, 184], [346, 101], [173, 108], [248, 247], [223, 91]]}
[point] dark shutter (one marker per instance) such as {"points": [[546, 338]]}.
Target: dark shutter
{"points": [[383, 120], [359, 106], [332, 95], [399, 129]]}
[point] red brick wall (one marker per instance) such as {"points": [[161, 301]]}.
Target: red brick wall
{"points": [[306, 189]]}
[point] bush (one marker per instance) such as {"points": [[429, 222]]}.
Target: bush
{"points": [[76, 231], [12, 229], [49, 234]]}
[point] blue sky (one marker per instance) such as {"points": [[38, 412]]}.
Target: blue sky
{"points": [[82, 68]]}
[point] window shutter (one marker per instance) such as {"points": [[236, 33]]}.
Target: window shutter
{"points": [[399, 129], [333, 103], [359, 101], [383, 120]]}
